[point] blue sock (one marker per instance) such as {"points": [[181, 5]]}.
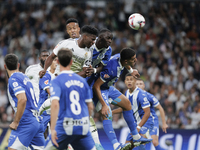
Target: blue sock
{"points": [[108, 128], [128, 116], [158, 148], [141, 147]]}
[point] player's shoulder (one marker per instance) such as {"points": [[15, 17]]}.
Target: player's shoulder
{"points": [[142, 92], [47, 74], [116, 56], [32, 67], [150, 95], [109, 49], [70, 40], [16, 77]]}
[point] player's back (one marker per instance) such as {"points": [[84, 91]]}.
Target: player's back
{"points": [[19, 83], [33, 73], [74, 93], [82, 57], [111, 73]]}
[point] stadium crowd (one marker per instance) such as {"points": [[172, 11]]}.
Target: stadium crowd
{"points": [[168, 47]]}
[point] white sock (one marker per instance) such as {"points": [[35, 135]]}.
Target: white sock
{"points": [[93, 130], [116, 145], [136, 137]]}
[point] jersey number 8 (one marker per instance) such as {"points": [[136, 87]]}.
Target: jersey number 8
{"points": [[75, 105]]}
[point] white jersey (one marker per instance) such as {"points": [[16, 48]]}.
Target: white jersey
{"points": [[82, 57], [33, 73]]}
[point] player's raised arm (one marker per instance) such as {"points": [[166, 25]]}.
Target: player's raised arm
{"points": [[162, 114], [48, 62]]}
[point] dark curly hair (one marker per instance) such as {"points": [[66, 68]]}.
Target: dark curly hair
{"points": [[89, 30], [127, 53]]}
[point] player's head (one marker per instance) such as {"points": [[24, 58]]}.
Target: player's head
{"points": [[130, 81], [105, 38], [54, 63], [128, 57], [140, 83], [11, 62], [65, 57], [88, 34], [72, 28], [43, 56]]}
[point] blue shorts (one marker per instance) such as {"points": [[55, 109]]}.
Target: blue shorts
{"points": [[83, 142], [38, 140], [46, 119], [155, 130], [143, 130], [27, 130], [112, 92]]}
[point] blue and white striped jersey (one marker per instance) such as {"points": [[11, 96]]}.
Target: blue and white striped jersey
{"points": [[139, 101]]}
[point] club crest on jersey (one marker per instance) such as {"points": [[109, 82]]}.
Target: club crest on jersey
{"points": [[106, 76], [15, 84], [86, 54], [46, 82]]}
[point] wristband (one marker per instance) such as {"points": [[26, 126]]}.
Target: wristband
{"points": [[138, 127], [95, 70], [130, 71]]}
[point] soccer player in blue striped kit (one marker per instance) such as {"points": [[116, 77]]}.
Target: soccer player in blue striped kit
{"points": [[26, 125], [108, 76], [154, 104], [72, 105], [141, 109]]}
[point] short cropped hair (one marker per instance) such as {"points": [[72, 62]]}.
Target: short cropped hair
{"points": [[11, 61], [104, 30], [43, 51], [128, 74], [64, 56], [139, 79], [127, 53], [71, 20], [89, 29]]}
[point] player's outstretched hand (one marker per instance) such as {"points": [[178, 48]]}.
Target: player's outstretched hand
{"points": [[54, 137], [164, 128], [13, 125], [89, 71], [105, 110], [135, 73], [42, 73]]}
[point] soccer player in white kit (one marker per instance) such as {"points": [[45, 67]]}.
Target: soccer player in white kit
{"points": [[70, 109], [82, 54], [33, 72]]}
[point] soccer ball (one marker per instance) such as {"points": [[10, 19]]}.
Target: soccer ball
{"points": [[136, 21]]}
